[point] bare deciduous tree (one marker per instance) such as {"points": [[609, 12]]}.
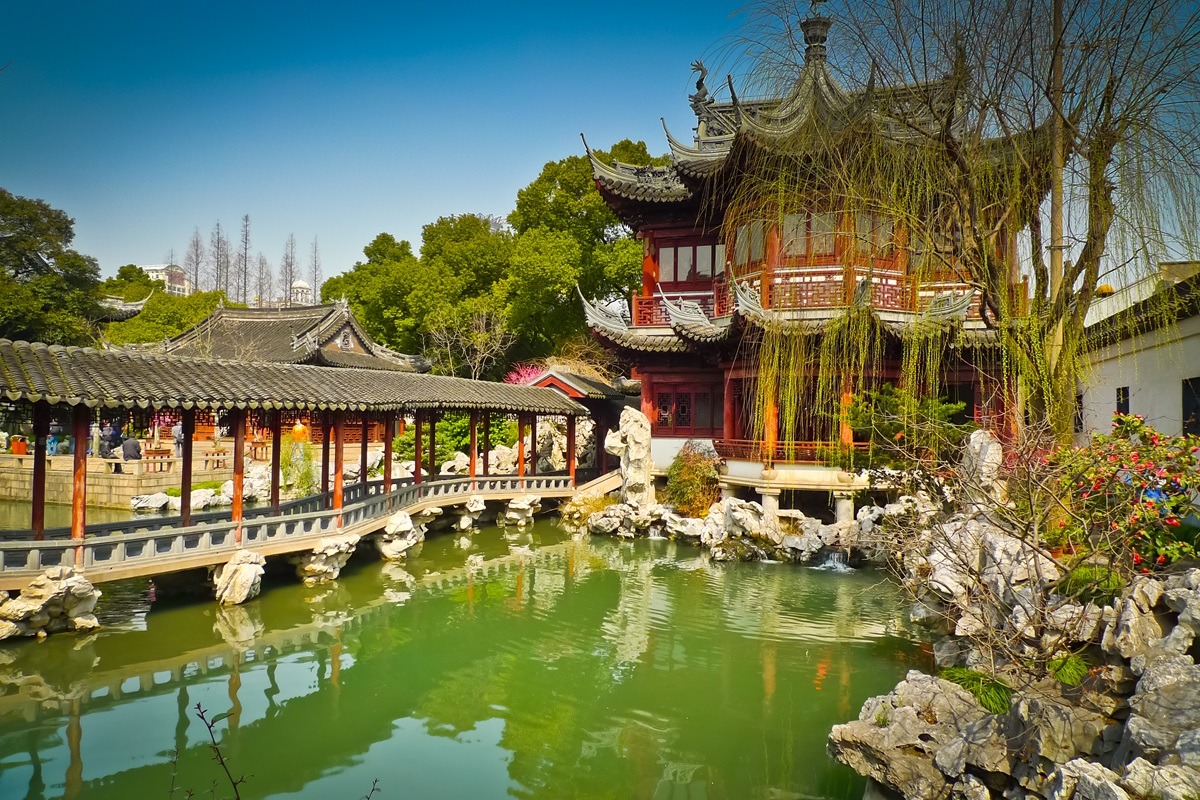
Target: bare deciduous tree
{"points": [[470, 340], [193, 259], [288, 271], [218, 258], [265, 283], [314, 270], [242, 275]]}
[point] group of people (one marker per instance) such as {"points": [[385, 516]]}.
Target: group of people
{"points": [[115, 444]]}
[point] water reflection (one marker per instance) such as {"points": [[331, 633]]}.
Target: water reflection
{"points": [[549, 667]]}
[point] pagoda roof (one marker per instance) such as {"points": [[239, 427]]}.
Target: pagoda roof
{"points": [[690, 328], [816, 106], [295, 335]]}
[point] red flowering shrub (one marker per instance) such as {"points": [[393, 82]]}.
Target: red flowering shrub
{"points": [[1133, 491]]}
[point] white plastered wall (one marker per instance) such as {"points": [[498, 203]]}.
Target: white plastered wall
{"points": [[1153, 365]]}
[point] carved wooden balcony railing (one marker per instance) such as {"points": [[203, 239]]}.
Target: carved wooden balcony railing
{"points": [[798, 288]]}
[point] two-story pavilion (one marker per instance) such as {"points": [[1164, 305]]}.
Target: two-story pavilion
{"points": [[730, 272]]}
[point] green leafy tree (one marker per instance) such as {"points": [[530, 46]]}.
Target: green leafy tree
{"points": [[164, 315], [50, 291], [130, 284]]}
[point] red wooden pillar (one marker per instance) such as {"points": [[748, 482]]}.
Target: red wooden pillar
{"points": [[770, 263], [433, 465], [185, 479], [533, 448], [41, 429], [520, 445], [648, 400], [389, 422], [362, 456], [571, 448], [81, 418], [238, 423], [325, 436], [276, 456], [339, 460], [729, 412], [649, 265], [487, 441], [474, 444], [417, 457], [845, 432]]}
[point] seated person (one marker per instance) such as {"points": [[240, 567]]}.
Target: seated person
{"points": [[131, 449]]}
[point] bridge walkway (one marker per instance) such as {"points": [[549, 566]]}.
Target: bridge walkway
{"points": [[155, 546]]}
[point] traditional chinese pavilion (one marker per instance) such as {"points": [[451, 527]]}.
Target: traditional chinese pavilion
{"points": [[718, 275]]}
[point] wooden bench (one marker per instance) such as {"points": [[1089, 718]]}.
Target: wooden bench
{"points": [[158, 459], [216, 461]]}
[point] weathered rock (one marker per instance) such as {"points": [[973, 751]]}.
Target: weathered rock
{"points": [[470, 512], [520, 511], [459, 465], [1166, 782], [1164, 708], [150, 502], [631, 443], [240, 578], [325, 562], [982, 458], [57, 600], [399, 536], [802, 549], [1083, 780]]}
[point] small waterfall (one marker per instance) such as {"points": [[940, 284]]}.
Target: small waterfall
{"points": [[834, 561]]}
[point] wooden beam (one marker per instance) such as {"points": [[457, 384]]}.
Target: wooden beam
{"points": [[571, 448], [520, 445], [81, 418], [276, 455], [185, 481], [41, 429], [533, 448], [325, 436], [389, 424], [487, 441], [433, 465], [471, 459], [417, 441], [339, 460], [362, 456], [238, 423]]}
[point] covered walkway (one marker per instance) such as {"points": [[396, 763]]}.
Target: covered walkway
{"points": [[81, 385]]}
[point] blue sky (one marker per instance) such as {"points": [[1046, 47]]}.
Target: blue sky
{"points": [[145, 120]]}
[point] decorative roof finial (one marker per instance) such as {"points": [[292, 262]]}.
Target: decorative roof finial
{"points": [[816, 32]]}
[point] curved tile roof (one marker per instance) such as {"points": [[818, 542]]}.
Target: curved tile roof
{"points": [[87, 376]]}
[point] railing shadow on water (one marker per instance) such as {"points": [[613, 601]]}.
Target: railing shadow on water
{"points": [[165, 539]]}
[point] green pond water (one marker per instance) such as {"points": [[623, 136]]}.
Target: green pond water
{"points": [[16, 515], [556, 669]]}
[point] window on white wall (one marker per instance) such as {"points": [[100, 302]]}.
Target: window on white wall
{"points": [[1122, 399], [1191, 406]]}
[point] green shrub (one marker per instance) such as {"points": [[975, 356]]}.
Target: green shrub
{"points": [[1091, 582], [692, 481], [902, 428], [1068, 670], [299, 469], [174, 491], [994, 695], [453, 436]]}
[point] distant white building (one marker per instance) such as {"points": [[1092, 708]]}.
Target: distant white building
{"points": [[1148, 361], [171, 276], [302, 293]]}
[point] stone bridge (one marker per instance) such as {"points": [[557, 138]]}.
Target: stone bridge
{"points": [[155, 546]]}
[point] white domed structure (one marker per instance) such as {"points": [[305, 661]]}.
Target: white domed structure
{"points": [[302, 293]]}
